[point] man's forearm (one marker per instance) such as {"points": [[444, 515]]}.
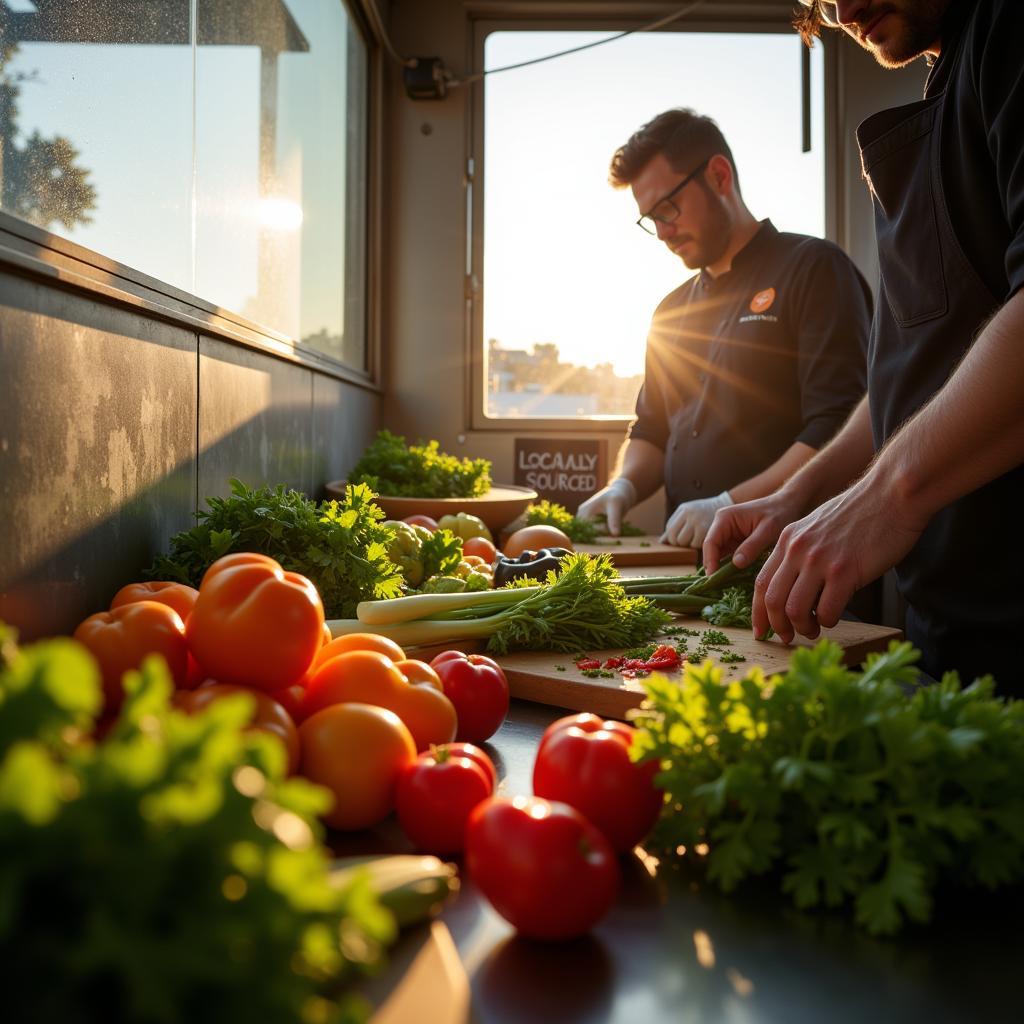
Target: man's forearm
{"points": [[838, 464], [643, 464], [971, 432], [772, 478]]}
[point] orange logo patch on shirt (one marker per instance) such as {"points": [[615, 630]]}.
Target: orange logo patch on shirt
{"points": [[762, 300]]}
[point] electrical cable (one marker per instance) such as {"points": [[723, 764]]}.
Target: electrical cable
{"points": [[667, 20], [378, 25]]}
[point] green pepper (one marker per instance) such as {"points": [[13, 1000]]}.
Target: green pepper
{"points": [[464, 526], [404, 551]]}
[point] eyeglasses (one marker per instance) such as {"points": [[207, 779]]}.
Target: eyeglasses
{"points": [[665, 211], [828, 9]]}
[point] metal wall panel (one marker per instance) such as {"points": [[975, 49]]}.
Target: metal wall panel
{"points": [[97, 450], [254, 420], [344, 423]]}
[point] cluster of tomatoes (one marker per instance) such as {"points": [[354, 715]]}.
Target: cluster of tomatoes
{"points": [[353, 712], [385, 733]]}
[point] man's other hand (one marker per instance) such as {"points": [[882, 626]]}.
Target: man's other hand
{"points": [[689, 524], [613, 502]]}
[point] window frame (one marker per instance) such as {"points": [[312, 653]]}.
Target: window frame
{"points": [[486, 18], [29, 250]]}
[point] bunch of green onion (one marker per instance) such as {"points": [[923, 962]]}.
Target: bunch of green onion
{"points": [[585, 606]]}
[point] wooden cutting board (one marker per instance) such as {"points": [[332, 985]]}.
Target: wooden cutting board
{"points": [[645, 550], [534, 675]]}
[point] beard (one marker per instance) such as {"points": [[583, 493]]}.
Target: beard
{"points": [[710, 246], [911, 30]]}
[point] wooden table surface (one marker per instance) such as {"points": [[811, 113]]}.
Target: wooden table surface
{"points": [[675, 950]]}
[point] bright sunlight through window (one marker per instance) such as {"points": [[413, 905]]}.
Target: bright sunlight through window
{"points": [[570, 281]]}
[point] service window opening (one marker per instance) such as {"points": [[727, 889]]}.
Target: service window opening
{"points": [[570, 281]]}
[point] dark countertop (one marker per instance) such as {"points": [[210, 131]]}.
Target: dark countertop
{"points": [[675, 950]]}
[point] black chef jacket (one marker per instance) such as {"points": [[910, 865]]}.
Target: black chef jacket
{"points": [[947, 180], [742, 366]]}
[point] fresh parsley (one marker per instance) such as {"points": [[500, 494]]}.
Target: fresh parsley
{"points": [[391, 467], [859, 793], [342, 546]]}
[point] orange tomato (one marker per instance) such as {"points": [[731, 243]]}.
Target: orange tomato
{"points": [[481, 547], [268, 716], [419, 672], [368, 677], [358, 642], [533, 538], [121, 638], [255, 624], [358, 751], [178, 596]]}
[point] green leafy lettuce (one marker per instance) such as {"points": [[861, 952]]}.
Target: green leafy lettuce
{"points": [[855, 790]]}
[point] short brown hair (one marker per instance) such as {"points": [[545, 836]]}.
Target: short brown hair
{"points": [[682, 135]]}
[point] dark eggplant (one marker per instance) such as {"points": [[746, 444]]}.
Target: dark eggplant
{"points": [[532, 565]]}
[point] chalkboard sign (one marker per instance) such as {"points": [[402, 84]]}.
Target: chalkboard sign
{"points": [[564, 471]]}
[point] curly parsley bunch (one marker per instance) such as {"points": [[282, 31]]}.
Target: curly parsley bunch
{"points": [[856, 791]]}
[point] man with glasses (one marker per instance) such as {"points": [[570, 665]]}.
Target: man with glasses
{"points": [[753, 363], [936, 450]]}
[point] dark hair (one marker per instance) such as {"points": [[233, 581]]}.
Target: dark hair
{"points": [[682, 135], [807, 21]]}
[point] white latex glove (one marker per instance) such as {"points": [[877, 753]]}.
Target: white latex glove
{"points": [[689, 524], [613, 502]]}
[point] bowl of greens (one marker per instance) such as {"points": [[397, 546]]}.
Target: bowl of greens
{"points": [[420, 479]]}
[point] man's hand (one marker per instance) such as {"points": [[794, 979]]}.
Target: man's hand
{"points": [[613, 502], [747, 529], [819, 560], [688, 525]]}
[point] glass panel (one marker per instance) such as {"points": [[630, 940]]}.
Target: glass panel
{"points": [[280, 169], [96, 127], [227, 157], [570, 281]]}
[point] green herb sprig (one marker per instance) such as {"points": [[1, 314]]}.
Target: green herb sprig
{"points": [[168, 871], [342, 546], [858, 793], [391, 467]]}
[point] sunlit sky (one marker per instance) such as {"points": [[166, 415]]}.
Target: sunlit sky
{"points": [[563, 258]]}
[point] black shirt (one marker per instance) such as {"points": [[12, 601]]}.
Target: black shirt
{"points": [[983, 136], [742, 366]]}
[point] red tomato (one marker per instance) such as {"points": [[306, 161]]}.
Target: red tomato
{"points": [[585, 763], [477, 687], [268, 715], [121, 638], [474, 753], [291, 699], [424, 521], [543, 866], [436, 795], [481, 547]]}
